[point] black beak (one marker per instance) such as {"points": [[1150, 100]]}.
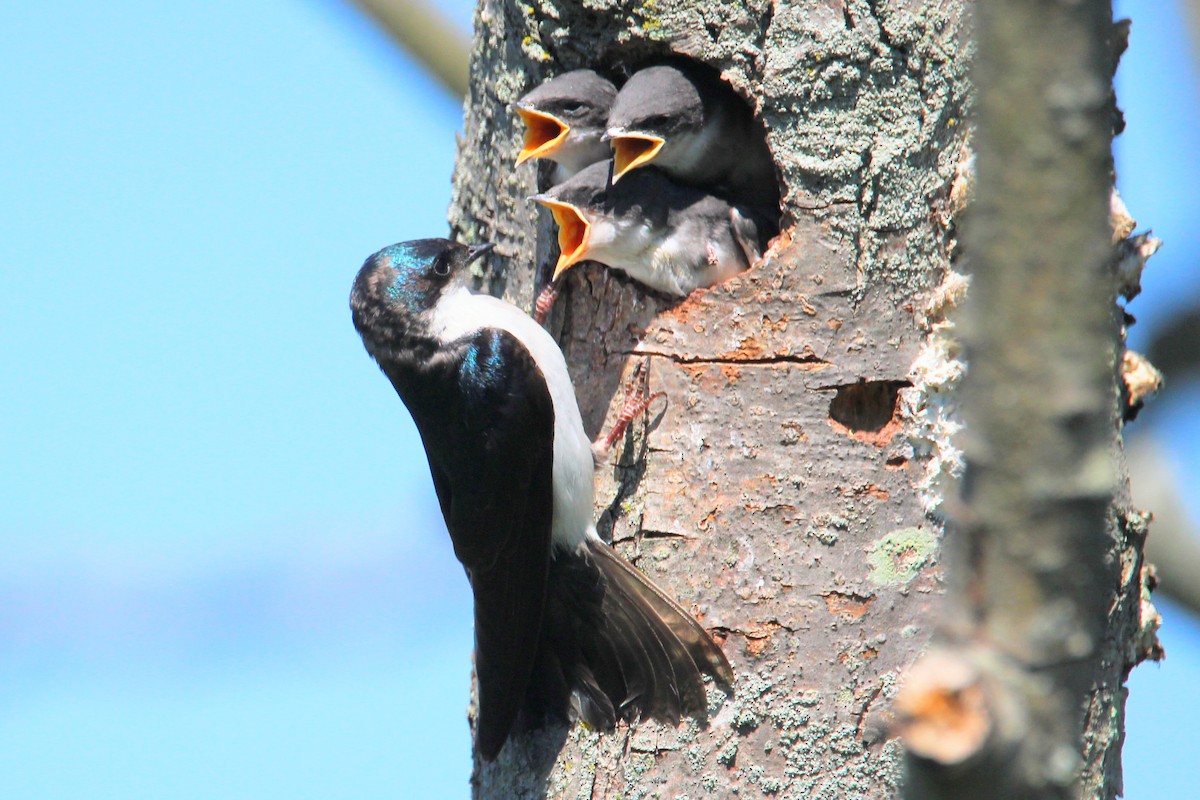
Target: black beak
{"points": [[477, 250]]}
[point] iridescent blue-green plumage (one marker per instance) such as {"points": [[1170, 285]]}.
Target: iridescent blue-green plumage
{"points": [[483, 362], [412, 263]]}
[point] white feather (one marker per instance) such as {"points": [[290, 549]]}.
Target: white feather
{"points": [[676, 259]]}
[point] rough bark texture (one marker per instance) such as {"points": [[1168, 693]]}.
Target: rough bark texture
{"points": [[1022, 697], [784, 492]]}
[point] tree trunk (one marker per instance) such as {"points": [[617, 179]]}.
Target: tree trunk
{"points": [[789, 491], [1023, 695]]}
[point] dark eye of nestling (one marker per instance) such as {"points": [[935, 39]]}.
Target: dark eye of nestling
{"points": [[441, 267], [572, 107], [657, 121]]}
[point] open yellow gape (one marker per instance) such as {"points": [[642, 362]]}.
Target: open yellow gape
{"points": [[632, 150], [544, 133], [573, 232]]}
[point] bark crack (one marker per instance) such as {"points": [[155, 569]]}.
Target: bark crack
{"points": [[899, 52], [866, 707], [652, 534], [750, 361], [766, 628]]}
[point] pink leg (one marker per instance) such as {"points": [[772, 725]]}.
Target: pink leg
{"points": [[637, 401], [545, 302]]}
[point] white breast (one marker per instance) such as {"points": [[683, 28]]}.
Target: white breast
{"points": [[674, 261], [460, 313]]}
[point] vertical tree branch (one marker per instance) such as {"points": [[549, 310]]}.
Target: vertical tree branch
{"points": [[435, 42], [998, 709], [1040, 399]]}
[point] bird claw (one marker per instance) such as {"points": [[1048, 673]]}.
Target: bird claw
{"points": [[637, 401], [544, 302]]}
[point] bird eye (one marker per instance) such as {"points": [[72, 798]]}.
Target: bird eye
{"points": [[441, 267], [572, 107]]}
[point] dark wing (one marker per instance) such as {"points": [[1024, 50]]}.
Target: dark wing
{"points": [[487, 422]]}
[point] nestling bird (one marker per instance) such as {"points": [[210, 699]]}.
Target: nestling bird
{"points": [[565, 119], [669, 237], [694, 127], [557, 611]]}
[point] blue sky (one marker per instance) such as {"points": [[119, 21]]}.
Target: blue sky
{"points": [[224, 571]]}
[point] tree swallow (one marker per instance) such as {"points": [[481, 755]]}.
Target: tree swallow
{"points": [[557, 612], [669, 237], [693, 126], [565, 119]]}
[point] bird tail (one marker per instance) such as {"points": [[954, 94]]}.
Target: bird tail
{"points": [[619, 646]]}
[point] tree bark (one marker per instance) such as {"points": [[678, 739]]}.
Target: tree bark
{"points": [[1022, 696], [789, 492]]}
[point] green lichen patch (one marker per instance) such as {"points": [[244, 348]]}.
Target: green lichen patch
{"points": [[899, 555]]}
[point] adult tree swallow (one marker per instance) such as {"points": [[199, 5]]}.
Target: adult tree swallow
{"points": [[557, 611], [669, 237], [565, 119], [688, 122]]}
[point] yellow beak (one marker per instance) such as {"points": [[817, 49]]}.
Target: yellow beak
{"points": [[544, 133], [573, 232], [633, 150]]}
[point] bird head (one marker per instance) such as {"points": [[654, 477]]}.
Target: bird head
{"points": [[573, 104], [575, 204], [400, 283], [655, 107]]}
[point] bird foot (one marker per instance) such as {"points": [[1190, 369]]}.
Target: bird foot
{"points": [[544, 302], [637, 401]]}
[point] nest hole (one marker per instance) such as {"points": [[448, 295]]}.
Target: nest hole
{"points": [[866, 407]]}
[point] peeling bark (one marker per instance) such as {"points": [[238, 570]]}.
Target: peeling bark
{"points": [[788, 492]]}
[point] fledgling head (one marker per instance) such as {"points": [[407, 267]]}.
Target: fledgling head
{"points": [[400, 283], [577, 204], [599, 220], [657, 106], [565, 118]]}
